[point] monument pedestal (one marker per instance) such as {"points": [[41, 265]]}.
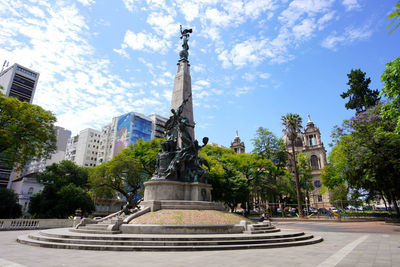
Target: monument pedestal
{"points": [[167, 194], [175, 190]]}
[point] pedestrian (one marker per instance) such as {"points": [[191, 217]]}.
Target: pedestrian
{"points": [[261, 218]]}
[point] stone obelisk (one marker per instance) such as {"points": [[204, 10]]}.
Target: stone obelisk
{"points": [[183, 90], [183, 83]]}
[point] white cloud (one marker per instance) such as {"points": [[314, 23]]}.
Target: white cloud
{"points": [[325, 19], [190, 10], [144, 41], [264, 75], [254, 8], [305, 29], [298, 8], [36, 11], [163, 24], [242, 90], [74, 82], [249, 76], [218, 18], [350, 35], [199, 68], [86, 2], [129, 4], [351, 4]]}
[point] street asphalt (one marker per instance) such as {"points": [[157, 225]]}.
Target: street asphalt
{"points": [[345, 244]]}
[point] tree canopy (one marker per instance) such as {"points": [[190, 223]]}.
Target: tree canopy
{"points": [[395, 15], [123, 174], [366, 156], [391, 89], [359, 94], [9, 207], [65, 191], [26, 132]]}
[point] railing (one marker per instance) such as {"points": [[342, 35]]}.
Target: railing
{"points": [[26, 224]]}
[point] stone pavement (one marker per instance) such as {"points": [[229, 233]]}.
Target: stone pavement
{"points": [[337, 249]]}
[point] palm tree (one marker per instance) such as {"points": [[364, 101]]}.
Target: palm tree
{"points": [[292, 124]]}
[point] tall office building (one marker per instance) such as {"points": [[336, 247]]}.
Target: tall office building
{"points": [[83, 148], [131, 127], [107, 142], [20, 82], [158, 128]]}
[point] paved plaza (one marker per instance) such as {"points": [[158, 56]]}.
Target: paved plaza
{"points": [[345, 244]]}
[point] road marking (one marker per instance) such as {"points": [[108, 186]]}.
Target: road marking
{"points": [[339, 255], [6, 263]]}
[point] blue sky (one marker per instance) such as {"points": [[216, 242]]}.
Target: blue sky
{"points": [[251, 61]]}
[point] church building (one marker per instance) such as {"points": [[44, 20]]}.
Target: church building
{"points": [[309, 141]]}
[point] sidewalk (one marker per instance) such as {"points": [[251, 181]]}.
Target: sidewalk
{"points": [[337, 249]]}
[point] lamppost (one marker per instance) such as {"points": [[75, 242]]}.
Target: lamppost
{"points": [[307, 205]]}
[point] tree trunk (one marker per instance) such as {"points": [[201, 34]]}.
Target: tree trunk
{"points": [[296, 177], [396, 207]]}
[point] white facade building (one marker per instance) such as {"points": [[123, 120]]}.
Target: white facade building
{"points": [[107, 142], [83, 149], [158, 128]]}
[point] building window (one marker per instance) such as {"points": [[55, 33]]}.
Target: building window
{"points": [[315, 162], [30, 191], [319, 198], [317, 183]]}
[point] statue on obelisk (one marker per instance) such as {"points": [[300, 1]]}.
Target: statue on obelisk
{"points": [[180, 173], [184, 54], [183, 83], [178, 159]]}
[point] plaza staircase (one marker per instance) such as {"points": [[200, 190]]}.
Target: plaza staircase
{"points": [[262, 237]]}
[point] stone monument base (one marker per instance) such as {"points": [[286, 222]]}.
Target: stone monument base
{"points": [[167, 194], [175, 190], [155, 205]]}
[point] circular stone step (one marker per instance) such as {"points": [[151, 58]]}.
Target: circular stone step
{"points": [[64, 238]]}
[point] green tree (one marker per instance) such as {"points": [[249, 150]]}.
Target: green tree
{"points": [[395, 15], [145, 152], [366, 156], [292, 124], [305, 176], [277, 183], [123, 174], [26, 132], [64, 173], [391, 82], [229, 185], [9, 207], [256, 171], [359, 94], [338, 195], [265, 143], [65, 191]]}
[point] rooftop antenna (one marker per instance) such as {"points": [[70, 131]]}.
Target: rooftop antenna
{"points": [[5, 65]]}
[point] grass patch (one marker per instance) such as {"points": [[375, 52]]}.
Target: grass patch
{"points": [[188, 217]]}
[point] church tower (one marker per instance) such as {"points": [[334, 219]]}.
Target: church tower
{"points": [[237, 144], [309, 141], [317, 154]]}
